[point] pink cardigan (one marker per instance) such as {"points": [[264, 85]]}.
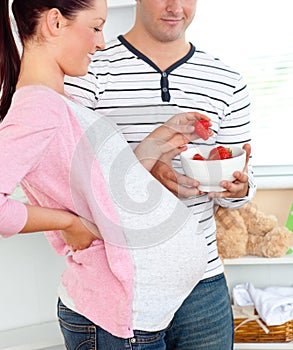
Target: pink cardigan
{"points": [[38, 140]]}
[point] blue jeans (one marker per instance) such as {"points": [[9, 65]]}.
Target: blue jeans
{"points": [[203, 322]]}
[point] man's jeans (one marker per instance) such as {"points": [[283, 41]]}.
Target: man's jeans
{"points": [[204, 321]]}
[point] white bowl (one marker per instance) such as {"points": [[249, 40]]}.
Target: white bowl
{"points": [[210, 173]]}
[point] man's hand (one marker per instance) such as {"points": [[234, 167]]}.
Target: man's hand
{"points": [[239, 187]]}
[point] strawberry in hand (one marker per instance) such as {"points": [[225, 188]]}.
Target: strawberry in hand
{"points": [[201, 128], [220, 152]]}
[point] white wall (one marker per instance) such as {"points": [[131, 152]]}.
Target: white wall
{"points": [[120, 20], [30, 270]]}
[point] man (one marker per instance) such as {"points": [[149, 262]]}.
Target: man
{"points": [[140, 80]]}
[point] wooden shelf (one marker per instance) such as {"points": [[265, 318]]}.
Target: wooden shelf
{"points": [[264, 346], [268, 268], [254, 260]]}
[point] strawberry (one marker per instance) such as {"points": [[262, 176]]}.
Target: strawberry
{"points": [[198, 156], [220, 152], [201, 128]]}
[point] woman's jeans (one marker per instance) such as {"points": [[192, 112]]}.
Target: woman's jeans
{"points": [[204, 321]]}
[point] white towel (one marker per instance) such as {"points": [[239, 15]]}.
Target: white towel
{"points": [[273, 304], [241, 296]]}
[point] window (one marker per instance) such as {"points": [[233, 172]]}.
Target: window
{"points": [[256, 38]]}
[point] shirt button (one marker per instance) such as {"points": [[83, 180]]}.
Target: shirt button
{"points": [[165, 89], [133, 340], [164, 74]]}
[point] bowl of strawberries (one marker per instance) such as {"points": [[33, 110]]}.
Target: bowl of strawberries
{"points": [[210, 165]]}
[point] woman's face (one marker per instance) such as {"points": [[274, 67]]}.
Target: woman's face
{"points": [[81, 38]]}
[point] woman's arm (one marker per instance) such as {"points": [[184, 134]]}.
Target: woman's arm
{"points": [[78, 233]]}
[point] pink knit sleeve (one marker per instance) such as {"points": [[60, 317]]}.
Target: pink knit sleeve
{"points": [[25, 134], [13, 216]]}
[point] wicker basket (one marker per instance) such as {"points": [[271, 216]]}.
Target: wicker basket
{"points": [[252, 332]]}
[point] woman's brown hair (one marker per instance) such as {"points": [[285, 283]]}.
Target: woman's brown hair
{"points": [[27, 14]]}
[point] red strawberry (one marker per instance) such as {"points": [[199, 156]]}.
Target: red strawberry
{"points": [[198, 156], [201, 128], [220, 152]]}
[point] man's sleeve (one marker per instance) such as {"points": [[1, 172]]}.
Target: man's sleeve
{"points": [[236, 129]]}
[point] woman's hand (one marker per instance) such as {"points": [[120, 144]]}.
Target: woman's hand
{"points": [[80, 234], [77, 232], [179, 184], [172, 136]]}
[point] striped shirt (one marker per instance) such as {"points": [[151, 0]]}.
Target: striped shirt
{"points": [[128, 87]]}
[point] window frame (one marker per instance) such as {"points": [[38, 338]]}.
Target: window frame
{"points": [[273, 176]]}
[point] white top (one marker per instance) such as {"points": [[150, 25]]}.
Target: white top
{"points": [[168, 254]]}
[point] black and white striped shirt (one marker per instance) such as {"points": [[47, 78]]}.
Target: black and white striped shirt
{"points": [[128, 87]]}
